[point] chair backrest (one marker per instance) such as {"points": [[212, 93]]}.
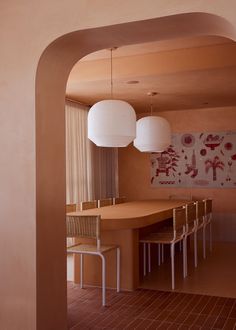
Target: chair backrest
{"points": [[84, 226], [179, 197], [88, 205], [179, 219], [191, 213], [200, 210], [208, 206], [70, 208], [104, 202], [118, 200]]}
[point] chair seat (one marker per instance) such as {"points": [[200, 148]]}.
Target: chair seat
{"points": [[90, 248], [162, 237]]}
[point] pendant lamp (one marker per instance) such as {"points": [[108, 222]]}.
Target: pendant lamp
{"points": [[153, 133], [111, 123]]}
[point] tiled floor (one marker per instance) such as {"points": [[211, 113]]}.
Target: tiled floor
{"points": [[148, 309], [193, 305]]}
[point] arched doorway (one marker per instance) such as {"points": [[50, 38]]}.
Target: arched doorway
{"points": [[53, 70]]}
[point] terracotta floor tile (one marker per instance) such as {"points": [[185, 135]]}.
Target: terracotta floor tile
{"points": [[163, 316], [148, 309], [144, 324], [183, 327], [199, 321], [174, 326], [210, 321], [216, 310], [219, 323], [154, 325], [226, 310], [230, 324], [233, 313], [190, 319]]}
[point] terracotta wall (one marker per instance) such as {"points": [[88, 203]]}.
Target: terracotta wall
{"points": [[134, 166]]}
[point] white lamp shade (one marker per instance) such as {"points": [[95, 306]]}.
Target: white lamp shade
{"points": [[153, 134], [111, 123]]}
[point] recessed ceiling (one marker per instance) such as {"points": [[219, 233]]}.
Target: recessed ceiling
{"points": [[187, 74]]}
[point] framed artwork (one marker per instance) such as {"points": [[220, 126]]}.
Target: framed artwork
{"points": [[196, 160]]}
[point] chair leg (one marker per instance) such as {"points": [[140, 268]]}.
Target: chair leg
{"points": [[81, 270], [103, 280], [185, 256], [118, 269], [172, 253], [162, 253], [149, 257], [195, 248], [180, 246], [144, 259], [159, 255], [204, 241], [210, 229]]}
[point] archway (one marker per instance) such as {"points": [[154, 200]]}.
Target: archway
{"points": [[53, 70]]}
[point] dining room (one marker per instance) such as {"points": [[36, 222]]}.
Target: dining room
{"points": [[40, 44], [190, 83]]}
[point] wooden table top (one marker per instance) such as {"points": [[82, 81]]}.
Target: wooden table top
{"points": [[133, 215]]}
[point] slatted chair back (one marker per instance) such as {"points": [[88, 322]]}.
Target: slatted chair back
{"points": [[181, 197], [208, 206], [84, 226], [104, 202], [119, 200], [200, 210], [88, 205], [70, 208], [179, 220], [191, 214]]}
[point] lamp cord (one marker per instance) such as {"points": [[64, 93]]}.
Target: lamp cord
{"points": [[111, 75], [151, 105]]}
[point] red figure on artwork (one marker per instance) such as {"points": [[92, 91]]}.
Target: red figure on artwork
{"points": [[214, 164], [213, 141], [167, 161], [192, 168]]}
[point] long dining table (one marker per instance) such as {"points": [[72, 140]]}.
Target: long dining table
{"points": [[122, 224]]}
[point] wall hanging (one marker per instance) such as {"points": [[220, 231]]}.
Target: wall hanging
{"points": [[196, 160]]}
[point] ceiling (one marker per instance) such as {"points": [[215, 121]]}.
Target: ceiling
{"points": [[186, 73]]}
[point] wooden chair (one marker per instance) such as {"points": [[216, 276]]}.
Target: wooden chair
{"points": [[181, 197], [88, 205], [191, 228], [70, 208], [171, 238], [118, 200], [89, 227], [104, 202], [208, 220]]}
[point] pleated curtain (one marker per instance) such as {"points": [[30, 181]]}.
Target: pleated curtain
{"points": [[91, 171]]}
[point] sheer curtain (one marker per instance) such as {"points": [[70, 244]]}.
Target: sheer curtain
{"points": [[91, 172]]}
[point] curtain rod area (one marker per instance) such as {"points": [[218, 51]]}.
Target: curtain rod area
{"points": [[78, 102]]}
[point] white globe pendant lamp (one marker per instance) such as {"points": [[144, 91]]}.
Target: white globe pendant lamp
{"points": [[153, 133], [111, 123]]}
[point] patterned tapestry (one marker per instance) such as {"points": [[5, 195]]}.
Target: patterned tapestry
{"points": [[196, 160]]}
